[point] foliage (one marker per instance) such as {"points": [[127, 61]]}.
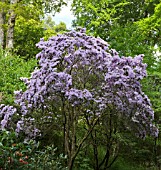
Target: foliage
{"points": [[30, 6], [152, 87], [12, 68], [130, 42], [14, 155], [100, 16], [32, 30], [82, 163], [51, 29], [29, 10], [27, 155], [150, 26], [27, 33], [122, 164], [123, 24], [48, 159]]}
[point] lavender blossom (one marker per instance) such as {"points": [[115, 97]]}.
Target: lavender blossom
{"points": [[82, 71], [6, 114]]}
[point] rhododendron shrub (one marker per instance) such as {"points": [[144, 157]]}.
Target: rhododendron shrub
{"points": [[80, 79]]}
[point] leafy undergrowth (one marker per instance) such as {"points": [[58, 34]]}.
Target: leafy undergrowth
{"points": [[18, 155]]}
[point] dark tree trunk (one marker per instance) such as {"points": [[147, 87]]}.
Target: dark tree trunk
{"points": [[95, 150]]}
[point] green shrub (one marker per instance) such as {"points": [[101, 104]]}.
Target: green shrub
{"points": [[27, 33], [122, 164], [12, 68], [15, 154]]}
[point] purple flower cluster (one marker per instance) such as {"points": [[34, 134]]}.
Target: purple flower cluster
{"points": [[29, 125], [76, 97], [82, 70], [6, 113]]}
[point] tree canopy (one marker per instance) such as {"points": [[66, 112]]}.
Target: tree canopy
{"points": [[81, 79]]}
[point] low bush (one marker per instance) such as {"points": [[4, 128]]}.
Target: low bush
{"points": [[18, 155], [12, 68]]}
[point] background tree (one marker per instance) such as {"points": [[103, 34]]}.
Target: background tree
{"points": [[12, 68], [11, 9], [2, 21], [27, 33], [52, 29], [31, 30]]}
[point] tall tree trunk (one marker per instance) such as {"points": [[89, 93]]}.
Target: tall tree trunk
{"points": [[79, 145], [11, 25], [2, 22]]}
